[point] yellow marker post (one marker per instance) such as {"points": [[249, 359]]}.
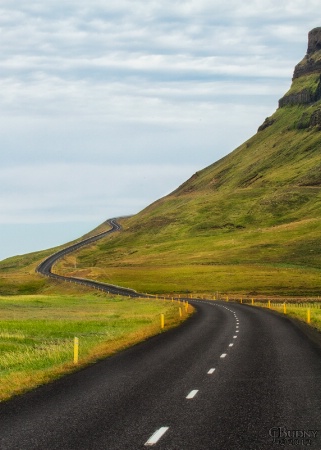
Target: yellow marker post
{"points": [[252, 301], [162, 321], [269, 304], [284, 308], [180, 311], [308, 315], [241, 300], [76, 350], [186, 306], [227, 298]]}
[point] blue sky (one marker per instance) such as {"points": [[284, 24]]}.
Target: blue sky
{"points": [[106, 107]]}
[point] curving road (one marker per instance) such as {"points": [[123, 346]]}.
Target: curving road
{"points": [[232, 377], [45, 267]]}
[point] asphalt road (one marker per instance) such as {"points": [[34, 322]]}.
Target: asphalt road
{"points": [[46, 266], [264, 391]]}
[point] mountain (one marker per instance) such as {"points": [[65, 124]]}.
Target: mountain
{"points": [[249, 223]]}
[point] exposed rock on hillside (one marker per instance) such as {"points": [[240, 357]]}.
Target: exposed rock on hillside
{"points": [[314, 43], [315, 119], [311, 63], [305, 97], [303, 74], [267, 123], [309, 66]]}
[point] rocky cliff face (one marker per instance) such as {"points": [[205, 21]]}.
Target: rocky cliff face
{"points": [[305, 97], [314, 41], [315, 119], [309, 67], [311, 63], [305, 89], [306, 82]]}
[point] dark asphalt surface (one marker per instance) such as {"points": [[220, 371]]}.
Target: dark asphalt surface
{"points": [[266, 388], [46, 266]]}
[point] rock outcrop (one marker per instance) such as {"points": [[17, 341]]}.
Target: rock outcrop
{"points": [[308, 68], [267, 123], [311, 64], [314, 41], [315, 120], [305, 97]]}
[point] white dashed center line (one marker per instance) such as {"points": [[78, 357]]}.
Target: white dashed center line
{"points": [[234, 337], [192, 394], [156, 436], [231, 345], [211, 371], [223, 355]]}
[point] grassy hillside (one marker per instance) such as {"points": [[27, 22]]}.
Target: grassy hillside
{"points": [[248, 223], [18, 277]]}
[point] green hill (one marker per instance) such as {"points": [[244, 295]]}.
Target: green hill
{"points": [[249, 223]]}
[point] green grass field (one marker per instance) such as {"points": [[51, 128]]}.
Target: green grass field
{"points": [[37, 332], [297, 310], [300, 313]]}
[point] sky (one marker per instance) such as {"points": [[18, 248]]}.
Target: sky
{"points": [[107, 106]]}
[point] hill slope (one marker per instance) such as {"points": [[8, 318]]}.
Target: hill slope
{"points": [[248, 223]]}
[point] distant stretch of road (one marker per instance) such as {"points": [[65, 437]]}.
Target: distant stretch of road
{"points": [[45, 267], [232, 377]]}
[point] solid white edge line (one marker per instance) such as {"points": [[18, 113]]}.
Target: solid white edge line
{"points": [[211, 371], [192, 394], [223, 355], [156, 436]]}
